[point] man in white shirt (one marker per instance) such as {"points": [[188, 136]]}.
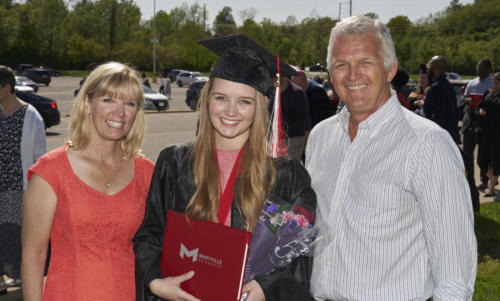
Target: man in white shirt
{"points": [[394, 207]]}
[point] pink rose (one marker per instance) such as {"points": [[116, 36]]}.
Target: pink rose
{"points": [[301, 220], [287, 216]]}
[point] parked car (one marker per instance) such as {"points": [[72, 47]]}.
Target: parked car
{"points": [[27, 89], [452, 76], [154, 100], [317, 68], [459, 86], [54, 72], [172, 74], [193, 94], [165, 71], [38, 75], [24, 81], [45, 106], [189, 77], [21, 67]]}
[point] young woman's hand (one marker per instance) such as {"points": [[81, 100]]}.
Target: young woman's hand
{"points": [[255, 292], [170, 288]]}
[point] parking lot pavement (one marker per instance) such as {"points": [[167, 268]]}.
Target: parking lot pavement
{"points": [[14, 294]]}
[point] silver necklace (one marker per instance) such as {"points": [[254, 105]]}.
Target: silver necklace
{"points": [[107, 182]]}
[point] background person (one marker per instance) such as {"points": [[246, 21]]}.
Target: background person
{"points": [[22, 142], [162, 84], [295, 115], [195, 179], [440, 103], [320, 106], [89, 196], [489, 135], [416, 98], [394, 208], [398, 83], [470, 122], [168, 88]]}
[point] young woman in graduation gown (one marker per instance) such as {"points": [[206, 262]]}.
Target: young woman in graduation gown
{"points": [[194, 179]]}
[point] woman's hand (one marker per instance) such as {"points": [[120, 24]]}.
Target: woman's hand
{"points": [[482, 112], [170, 288], [254, 291], [419, 103]]}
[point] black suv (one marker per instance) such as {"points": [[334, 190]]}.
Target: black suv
{"points": [[193, 94], [22, 67], [38, 75]]}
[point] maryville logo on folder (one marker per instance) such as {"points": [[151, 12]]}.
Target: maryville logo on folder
{"points": [[187, 253], [216, 253], [193, 254]]}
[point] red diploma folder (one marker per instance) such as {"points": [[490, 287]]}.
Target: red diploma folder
{"points": [[475, 100], [217, 254]]}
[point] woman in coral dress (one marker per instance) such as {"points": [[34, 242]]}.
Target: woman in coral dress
{"points": [[88, 197]]}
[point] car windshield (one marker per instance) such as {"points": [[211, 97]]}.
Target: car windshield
{"points": [[148, 90]]}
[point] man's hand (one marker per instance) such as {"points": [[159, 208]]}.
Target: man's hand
{"points": [[170, 288]]}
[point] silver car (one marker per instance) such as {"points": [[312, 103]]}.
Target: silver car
{"points": [[188, 77]]}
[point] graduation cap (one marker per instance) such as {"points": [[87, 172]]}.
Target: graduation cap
{"points": [[219, 45], [245, 61]]}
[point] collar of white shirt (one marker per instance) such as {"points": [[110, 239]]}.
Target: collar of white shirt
{"points": [[374, 122]]}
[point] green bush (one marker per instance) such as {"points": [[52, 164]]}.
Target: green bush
{"points": [[487, 228]]}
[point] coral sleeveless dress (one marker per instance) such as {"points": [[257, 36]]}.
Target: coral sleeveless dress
{"points": [[91, 237]]}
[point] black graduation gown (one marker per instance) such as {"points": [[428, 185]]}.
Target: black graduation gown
{"points": [[172, 186]]}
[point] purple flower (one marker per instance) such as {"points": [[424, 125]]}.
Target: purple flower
{"points": [[273, 208], [292, 224]]}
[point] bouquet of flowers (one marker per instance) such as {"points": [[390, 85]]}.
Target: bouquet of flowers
{"points": [[283, 232]]}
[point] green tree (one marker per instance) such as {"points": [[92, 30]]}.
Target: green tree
{"points": [[26, 44], [247, 14], [51, 29], [372, 15], [224, 23], [454, 5], [81, 51]]}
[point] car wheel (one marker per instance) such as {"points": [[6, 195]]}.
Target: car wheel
{"points": [[179, 84], [193, 104]]}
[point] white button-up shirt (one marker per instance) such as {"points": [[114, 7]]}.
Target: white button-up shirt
{"points": [[394, 210]]}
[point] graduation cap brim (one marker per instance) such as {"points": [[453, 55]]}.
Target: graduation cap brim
{"points": [[219, 45]]}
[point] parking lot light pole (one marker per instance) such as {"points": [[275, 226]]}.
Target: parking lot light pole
{"points": [[154, 37]]}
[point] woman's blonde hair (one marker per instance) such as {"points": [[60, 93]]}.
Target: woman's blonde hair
{"points": [[257, 173], [115, 80]]}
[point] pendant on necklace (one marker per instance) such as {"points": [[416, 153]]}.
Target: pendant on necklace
{"points": [[108, 185]]}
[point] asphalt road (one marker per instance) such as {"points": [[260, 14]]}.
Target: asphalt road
{"points": [[166, 128]]}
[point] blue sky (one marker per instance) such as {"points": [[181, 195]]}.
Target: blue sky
{"points": [[279, 10]]}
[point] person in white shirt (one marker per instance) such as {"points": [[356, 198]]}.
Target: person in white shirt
{"points": [[22, 142], [394, 206]]}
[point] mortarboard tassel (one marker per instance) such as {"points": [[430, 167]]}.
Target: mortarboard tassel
{"points": [[277, 145]]}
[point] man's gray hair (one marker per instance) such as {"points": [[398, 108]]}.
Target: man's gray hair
{"points": [[360, 25]]}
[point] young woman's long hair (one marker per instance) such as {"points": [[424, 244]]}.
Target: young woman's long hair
{"points": [[257, 174]]}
